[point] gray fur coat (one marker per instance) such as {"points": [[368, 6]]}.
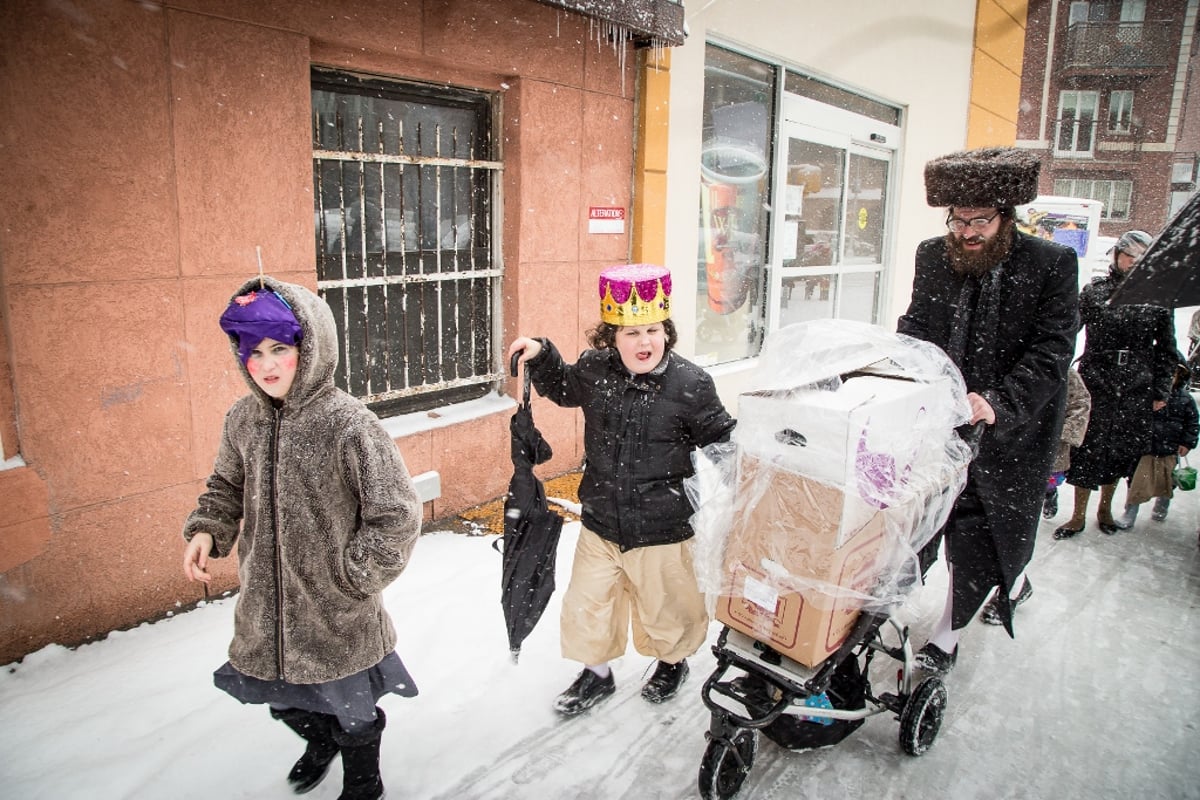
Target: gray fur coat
{"points": [[327, 512]]}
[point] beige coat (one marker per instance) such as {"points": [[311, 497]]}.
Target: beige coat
{"points": [[328, 516], [1075, 421]]}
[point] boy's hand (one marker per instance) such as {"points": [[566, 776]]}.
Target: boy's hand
{"points": [[531, 347], [195, 557]]}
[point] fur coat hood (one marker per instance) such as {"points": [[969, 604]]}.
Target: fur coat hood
{"points": [[323, 513]]}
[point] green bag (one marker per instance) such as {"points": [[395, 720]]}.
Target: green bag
{"points": [[1185, 476]]}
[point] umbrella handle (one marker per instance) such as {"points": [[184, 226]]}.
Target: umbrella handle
{"points": [[512, 368]]}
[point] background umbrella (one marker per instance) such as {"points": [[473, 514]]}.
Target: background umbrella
{"points": [[1168, 273], [531, 529]]}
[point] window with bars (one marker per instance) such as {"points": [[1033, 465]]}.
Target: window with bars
{"points": [[1115, 194], [404, 179]]}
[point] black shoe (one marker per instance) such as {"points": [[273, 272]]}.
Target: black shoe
{"points": [[1050, 505], [587, 690], [1066, 533], [665, 681], [935, 660], [991, 612]]}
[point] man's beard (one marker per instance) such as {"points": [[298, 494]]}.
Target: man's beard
{"points": [[975, 263]]}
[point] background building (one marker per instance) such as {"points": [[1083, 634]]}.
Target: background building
{"points": [[1108, 102], [448, 174]]}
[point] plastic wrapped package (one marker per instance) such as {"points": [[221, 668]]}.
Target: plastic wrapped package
{"points": [[845, 462]]}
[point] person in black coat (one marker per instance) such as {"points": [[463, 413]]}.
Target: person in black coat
{"points": [[1004, 307], [1128, 363], [645, 410], [1175, 431]]}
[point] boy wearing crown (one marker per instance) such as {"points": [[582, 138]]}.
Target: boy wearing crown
{"points": [[645, 410]]}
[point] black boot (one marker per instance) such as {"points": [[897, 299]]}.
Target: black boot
{"points": [[360, 760], [317, 730], [1050, 504], [665, 681]]}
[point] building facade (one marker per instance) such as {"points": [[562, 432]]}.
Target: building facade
{"points": [[1106, 100], [448, 174]]}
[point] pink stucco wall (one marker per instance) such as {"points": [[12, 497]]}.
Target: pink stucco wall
{"points": [[150, 150]]}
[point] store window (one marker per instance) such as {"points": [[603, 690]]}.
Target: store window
{"points": [[403, 182], [795, 231], [735, 186]]}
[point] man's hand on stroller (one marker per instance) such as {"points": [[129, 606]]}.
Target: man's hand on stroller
{"points": [[981, 409]]}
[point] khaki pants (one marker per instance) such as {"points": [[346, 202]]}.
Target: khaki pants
{"points": [[651, 588]]}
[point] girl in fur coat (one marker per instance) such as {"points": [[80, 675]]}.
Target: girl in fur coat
{"points": [[316, 497]]}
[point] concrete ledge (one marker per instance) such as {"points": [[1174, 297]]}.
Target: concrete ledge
{"points": [[429, 486]]}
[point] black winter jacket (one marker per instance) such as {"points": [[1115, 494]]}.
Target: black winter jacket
{"points": [[1178, 423], [639, 434]]}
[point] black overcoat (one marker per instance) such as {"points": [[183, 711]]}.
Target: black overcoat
{"points": [[1021, 369], [1128, 362]]}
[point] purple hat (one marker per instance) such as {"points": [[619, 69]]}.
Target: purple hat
{"points": [[260, 315]]}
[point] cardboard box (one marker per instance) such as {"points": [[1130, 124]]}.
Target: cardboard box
{"points": [[789, 525], [861, 436]]}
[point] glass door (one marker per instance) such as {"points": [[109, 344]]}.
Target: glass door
{"points": [[831, 239]]}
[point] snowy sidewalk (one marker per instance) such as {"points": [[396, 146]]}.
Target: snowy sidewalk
{"points": [[1096, 698]]}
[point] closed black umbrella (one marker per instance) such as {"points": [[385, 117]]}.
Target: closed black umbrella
{"points": [[531, 530], [1168, 273]]}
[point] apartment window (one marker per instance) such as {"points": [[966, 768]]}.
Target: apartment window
{"points": [[1076, 124], [1120, 111], [403, 185], [1133, 11], [1115, 194]]}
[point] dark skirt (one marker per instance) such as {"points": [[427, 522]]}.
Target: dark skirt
{"points": [[352, 697]]}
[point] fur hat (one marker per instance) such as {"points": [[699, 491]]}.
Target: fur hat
{"points": [[990, 177]]}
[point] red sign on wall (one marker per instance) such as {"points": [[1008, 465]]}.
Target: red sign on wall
{"points": [[606, 219]]}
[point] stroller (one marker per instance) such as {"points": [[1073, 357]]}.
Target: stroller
{"points": [[778, 531], [775, 695]]}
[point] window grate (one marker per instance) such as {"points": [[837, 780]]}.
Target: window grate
{"points": [[403, 204]]}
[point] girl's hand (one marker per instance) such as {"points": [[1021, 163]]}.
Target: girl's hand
{"points": [[1184, 450], [195, 557], [531, 347], [1158, 405]]}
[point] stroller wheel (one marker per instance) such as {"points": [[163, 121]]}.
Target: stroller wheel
{"points": [[726, 764], [921, 717]]}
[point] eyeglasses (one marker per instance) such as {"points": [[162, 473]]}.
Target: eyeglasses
{"points": [[958, 225]]}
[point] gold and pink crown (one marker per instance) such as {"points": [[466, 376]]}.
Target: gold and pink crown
{"points": [[635, 294]]}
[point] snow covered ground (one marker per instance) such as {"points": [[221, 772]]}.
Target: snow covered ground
{"points": [[1097, 697]]}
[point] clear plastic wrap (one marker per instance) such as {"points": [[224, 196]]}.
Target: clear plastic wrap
{"points": [[845, 462]]}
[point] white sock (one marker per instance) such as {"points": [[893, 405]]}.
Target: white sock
{"points": [[944, 636], [1017, 586], [600, 669]]}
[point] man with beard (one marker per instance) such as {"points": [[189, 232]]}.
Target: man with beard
{"points": [[1004, 306]]}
